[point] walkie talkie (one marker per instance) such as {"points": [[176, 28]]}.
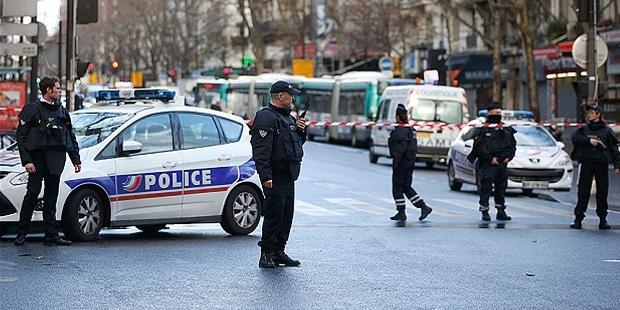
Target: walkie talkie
{"points": [[303, 114]]}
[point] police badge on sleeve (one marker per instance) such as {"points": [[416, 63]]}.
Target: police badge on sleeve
{"points": [[262, 133]]}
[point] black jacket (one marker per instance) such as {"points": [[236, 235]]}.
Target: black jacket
{"points": [[35, 138], [492, 142], [584, 151], [277, 144], [403, 145]]}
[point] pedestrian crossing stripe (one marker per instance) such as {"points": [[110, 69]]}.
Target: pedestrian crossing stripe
{"points": [[458, 203], [357, 205], [314, 210], [436, 210]]}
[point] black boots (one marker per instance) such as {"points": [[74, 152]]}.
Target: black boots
{"points": [[400, 216], [281, 258], [485, 216], [603, 224], [424, 212], [501, 214], [20, 240], [266, 260], [56, 241]]}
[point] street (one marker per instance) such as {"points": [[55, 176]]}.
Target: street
{"points": [[353, 256]]}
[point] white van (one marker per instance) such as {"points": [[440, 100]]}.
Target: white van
{"points": [[438, 112]]}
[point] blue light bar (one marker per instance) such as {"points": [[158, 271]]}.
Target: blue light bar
{"points": [[511, 114], [134, 94]]}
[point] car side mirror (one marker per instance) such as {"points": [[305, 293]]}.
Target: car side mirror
{"points": [[469, 143], [561, 145], [131, 147]]}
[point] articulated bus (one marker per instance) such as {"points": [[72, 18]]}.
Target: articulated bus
{"points": [[354, 98], [246, 95], [210, 91], [316, 95]]}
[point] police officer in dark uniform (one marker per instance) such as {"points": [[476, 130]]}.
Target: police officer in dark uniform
{"points": [[494, 146], [44, 137], [277, 140], [595, 146], [403, 148]]}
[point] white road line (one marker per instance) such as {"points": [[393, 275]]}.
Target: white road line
{"points": [[611, 260], [436, 210], [473, 205], [357, 205], [539, 208], [314, 210], [329, 185]]}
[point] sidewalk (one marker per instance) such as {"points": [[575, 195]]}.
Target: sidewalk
{"points": [[613, 199]]}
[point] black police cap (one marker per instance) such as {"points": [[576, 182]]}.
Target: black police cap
{"points": [[401, 109], [282, 86]]}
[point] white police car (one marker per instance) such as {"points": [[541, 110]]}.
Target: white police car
{"points": [[148, 163], [539, 163]]}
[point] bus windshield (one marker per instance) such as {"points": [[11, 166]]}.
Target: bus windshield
{"points": [[446, 111]]}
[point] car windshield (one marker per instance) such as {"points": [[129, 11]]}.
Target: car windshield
{"points": [[533, 136], [92, 128], [437, 110]]}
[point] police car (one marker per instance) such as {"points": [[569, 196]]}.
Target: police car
{"points": [[148, 161], [539, 163]]}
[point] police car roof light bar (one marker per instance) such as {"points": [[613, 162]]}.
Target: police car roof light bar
{"points": [[135, 94]]}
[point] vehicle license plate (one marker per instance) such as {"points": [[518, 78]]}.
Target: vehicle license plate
{"points": [[535, 184]]}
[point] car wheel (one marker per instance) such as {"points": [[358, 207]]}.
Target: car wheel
{"points": [[242, 211], [374, 158], [82, 218], [3, 230], [452, 182], [527, 191], [151, 229]]}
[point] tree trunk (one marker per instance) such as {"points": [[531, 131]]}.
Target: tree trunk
{"points": [[528, 50], [497, 54]]}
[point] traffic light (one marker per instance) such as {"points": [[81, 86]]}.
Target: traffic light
{"points": [[226, 72], [81, 67], [247, 61], [115, 65], [87, 11]]}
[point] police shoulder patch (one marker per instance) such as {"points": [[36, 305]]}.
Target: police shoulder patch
{"points": [[262, 132]]}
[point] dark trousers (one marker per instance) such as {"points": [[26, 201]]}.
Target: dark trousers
{"points": [[402, 178], [50, 196], [278, 212], [588, 171], [490, 176]]}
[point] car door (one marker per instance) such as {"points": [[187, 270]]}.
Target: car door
{"points": [[149, 181], [210, 164]]}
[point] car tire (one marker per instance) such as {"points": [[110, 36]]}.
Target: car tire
{"points": [[82, 218], [242, 211], [374, 158], [452, 182], [151, 229], [3, 230], [527, 191]]}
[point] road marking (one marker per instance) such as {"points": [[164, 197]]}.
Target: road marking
{"points": [[314, 210], [329, 185], [611, 260], [436, 210], [539, 208], [357, 205], [474, 207]]}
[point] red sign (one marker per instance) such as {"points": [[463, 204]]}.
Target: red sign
{"points": [[12, 100], [309, 49], [546, 52]]}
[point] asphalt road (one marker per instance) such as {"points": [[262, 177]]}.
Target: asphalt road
{"points": [[353, 256]]}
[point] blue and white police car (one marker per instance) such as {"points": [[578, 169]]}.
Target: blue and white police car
{"points": [[148, 161], [539, 163]]}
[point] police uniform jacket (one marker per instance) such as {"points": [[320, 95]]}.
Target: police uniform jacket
{"points": [[492, 142], [45, 136], [403, 145], [584, 151], [277, 144]]}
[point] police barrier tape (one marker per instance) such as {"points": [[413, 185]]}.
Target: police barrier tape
{"points": [[436, 125]]}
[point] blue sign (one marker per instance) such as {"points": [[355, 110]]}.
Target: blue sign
{"points": [[386, 64]]}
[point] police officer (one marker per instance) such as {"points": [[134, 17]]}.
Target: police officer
{"points": [[44, 137], [277, 140], [595, 146], [403, 148], [494, 146]]}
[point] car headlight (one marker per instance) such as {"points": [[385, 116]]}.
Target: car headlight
{"points": [[20, 179], [566, 161]]}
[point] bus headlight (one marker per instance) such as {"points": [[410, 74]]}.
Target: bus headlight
{"points": [[20, 179]]}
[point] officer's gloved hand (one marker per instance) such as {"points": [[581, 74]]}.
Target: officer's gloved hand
{"points": [[301, 124]]}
